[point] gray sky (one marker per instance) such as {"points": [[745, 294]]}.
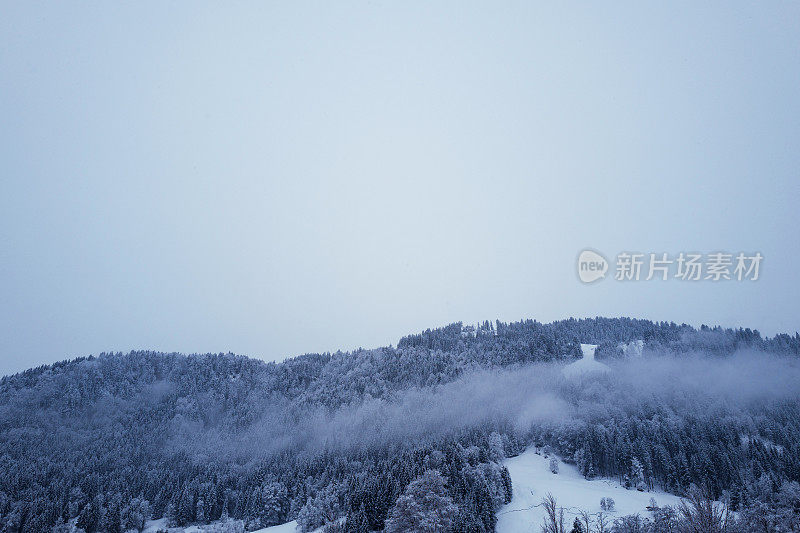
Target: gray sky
{"points": [[274, 179]]}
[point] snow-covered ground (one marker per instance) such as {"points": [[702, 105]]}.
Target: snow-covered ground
{"points": [[154, 526], [585, 365], [289, 527], [532, 480]]}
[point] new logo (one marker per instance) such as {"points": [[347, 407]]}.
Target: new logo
{"points": [[591, 266]]}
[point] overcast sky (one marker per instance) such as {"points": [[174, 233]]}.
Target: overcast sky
{"points": [[279, 178]]}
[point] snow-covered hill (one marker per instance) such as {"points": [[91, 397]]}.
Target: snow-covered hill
{"points": [[586, 365], [532, 480]]}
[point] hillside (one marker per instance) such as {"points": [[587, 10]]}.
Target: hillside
{"points": [[105, 441]]}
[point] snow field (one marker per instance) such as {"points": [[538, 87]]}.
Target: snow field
{"points": [[532, 480]]}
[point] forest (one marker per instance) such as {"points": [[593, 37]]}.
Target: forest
{"points": [[352, 440]]}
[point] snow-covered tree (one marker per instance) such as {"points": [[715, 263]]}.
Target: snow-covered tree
{"points": [[135, 514], [424, 507], [323, 508], [496, 449], [507, 486], [636, 475], [553, 516], [357, 522], [607, 504], [701, 514], [91, 515], [268, 505]]}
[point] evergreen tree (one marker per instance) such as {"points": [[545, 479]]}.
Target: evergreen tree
{"points": [[508, 489], [357, 522], [424, 507], [90, 516]]}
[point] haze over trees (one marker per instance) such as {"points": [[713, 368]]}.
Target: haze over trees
{"points": [[396, 437]]}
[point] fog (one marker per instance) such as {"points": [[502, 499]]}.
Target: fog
{"points": [[741, 379], [515, 400]]}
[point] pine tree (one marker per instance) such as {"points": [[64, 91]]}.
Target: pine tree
{"points": [[636, 476], [185, 510], [424, 507], [357, 522], [496, 450], [200, 514], [509, 494], [90, 516], [135, 514], [171, 515]]}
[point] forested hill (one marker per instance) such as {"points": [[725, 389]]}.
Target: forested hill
{"points": [[110, 439], [433, 356]]}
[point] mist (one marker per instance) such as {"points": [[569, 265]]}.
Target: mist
{"points": [[518, 399]]}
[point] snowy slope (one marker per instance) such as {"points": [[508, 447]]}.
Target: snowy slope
{"points": [[585, 365], [289, 527], [153, 526], [532, 480]]}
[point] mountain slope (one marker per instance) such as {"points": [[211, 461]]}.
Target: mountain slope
{"points": [[105, 439], [533, 480]]}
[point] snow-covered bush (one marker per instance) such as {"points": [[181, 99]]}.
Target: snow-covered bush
{"points": [[554, 465], [339, 526], [607, 504], [224, 526]]}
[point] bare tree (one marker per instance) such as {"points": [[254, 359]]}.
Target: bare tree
{"points": [[554, 516], [585, 518], [701, 514], [602, 523]]}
